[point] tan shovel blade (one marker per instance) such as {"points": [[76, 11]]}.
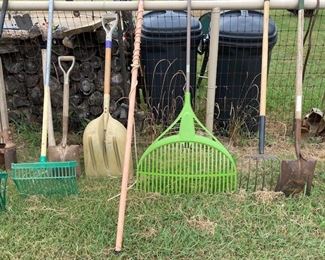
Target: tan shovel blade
{"points": [[62, 154], [295, 175], [104, 156]]}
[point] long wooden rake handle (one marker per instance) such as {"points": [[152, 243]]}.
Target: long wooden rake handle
{"points": [[51, 138], [127, 155], [265, 50], [299, 77], [43, 157]]}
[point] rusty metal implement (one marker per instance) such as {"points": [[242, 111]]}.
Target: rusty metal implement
{"points": [[296, 175], [262, 169]]}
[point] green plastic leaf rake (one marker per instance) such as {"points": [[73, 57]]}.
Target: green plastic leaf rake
{"points": [[3, 188], [186, 158]]}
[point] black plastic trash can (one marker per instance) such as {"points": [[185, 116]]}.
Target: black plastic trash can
{"points": [[239, 69], [163, 58]]}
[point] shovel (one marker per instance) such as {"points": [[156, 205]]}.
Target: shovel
{"points": [[64, 152], [296, 176], [104, 138]]}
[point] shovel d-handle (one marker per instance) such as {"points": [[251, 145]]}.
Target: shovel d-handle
{"points": [[66, 74], [109, 23]]}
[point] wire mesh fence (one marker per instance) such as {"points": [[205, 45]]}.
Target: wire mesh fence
{"points": [[162, 77]]}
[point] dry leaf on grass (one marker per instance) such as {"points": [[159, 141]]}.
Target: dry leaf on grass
{"points": [[148, 233], [267, 196], [202, 224], [241, 195]]}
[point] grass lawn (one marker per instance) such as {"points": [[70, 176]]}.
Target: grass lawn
{"points": [[226, 226]]}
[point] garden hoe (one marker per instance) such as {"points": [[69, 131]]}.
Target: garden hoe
{"points": [[297, 176], [7, 147], [64, 152], [262, 168], [104, 137]]}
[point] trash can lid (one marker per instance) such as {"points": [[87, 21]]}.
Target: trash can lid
{"points": [[245, 28], [169, 25]]}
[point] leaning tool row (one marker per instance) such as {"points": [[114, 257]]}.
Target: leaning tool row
{"points": [[185, 158]]}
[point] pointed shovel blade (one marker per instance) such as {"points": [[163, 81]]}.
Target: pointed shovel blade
{"points": [[295, 176]]}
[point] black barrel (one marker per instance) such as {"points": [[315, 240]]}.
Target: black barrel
{"points": [[163, 57], [239, 69]]}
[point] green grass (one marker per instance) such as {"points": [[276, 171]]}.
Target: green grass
{"points": [[230, 226], [163, 227]]}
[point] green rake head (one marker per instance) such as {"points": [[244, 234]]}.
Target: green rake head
{"points": [[3, 187], [186, 158], [46, 178]]}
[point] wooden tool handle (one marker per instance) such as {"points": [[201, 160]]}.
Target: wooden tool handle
{"points": [[112, 21], [3, 103], [47, 82], [127, 155], [265, 52], [51, 138], [264, 69], [66, 91], [299, 77], [300, 61], [65, 114]]}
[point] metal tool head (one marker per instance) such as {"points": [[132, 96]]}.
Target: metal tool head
{"points": [[258, 172], [109, 22], [64, 154], [296, 176]]}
